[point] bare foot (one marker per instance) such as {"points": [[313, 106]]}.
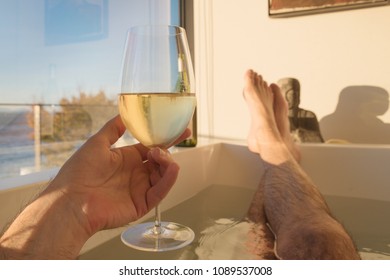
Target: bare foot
{"points": [[259, 98], [282, 121], [269, 116]]}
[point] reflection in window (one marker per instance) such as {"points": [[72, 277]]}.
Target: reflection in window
{"points": [[60, 64], [72, 21]]}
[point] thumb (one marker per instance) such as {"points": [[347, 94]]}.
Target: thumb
{"points": [[111, 131]]}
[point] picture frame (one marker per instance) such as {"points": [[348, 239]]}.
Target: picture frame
{"points": [[290, 8], [68, 22]]}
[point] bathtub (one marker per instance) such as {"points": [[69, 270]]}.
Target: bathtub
{"points": [[215, 186]]}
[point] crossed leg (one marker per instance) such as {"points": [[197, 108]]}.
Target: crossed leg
{"points": [[287, 200]]}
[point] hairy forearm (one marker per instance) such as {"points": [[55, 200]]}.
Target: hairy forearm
{"points": [[40, 232]]}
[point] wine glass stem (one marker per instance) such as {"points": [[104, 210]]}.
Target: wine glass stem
{"points": [[157, 221]]}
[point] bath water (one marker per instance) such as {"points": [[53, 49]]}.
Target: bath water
{"points": [[217, 216]]}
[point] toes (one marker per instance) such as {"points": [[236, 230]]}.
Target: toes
{"points": [[250, 75], [276, 89], [280, 102], [249, 79]]}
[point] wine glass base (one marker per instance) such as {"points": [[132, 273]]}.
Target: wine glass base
{"points": [[142, 237]]}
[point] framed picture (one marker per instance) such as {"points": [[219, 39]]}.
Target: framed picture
{"points": [[69, 22], [288, 8]]}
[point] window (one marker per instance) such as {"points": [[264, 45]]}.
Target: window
{"points": [[60, 65]]}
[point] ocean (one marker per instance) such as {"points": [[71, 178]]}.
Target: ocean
{"points": [[16, 143]]}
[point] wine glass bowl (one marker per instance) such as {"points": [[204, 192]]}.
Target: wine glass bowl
{"points": [[156, 103], [156, 119]]}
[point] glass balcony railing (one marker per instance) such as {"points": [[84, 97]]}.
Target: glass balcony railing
{"points": [[34, 137]]}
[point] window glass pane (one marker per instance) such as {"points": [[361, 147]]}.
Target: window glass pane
{"points": [[60, 65]]}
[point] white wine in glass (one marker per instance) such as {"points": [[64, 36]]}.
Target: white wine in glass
{"points": [[156, 103]]}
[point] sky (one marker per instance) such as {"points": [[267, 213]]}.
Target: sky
{"points": [[50, 49]]}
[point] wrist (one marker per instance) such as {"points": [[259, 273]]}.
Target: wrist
{"points": [[78, 205], [72, 207]]}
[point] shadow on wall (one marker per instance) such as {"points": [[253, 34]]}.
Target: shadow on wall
{"points": [[355, 119]]}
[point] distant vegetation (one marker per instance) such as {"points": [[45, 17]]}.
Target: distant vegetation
{"points": [[63, 126], [75, 118]]}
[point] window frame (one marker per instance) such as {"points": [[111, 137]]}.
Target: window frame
{"points": [[186, 19]]}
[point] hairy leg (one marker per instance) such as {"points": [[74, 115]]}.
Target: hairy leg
{"points": [[287, 198], [262, 238], [256, 212]]}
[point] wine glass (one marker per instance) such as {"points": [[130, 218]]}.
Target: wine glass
{"points": [[156, 104]]}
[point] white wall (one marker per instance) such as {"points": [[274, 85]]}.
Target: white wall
{"points": [[326, 52]]}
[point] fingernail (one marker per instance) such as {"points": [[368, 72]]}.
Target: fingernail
{"points": [[159, 152], [165, 153]]}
